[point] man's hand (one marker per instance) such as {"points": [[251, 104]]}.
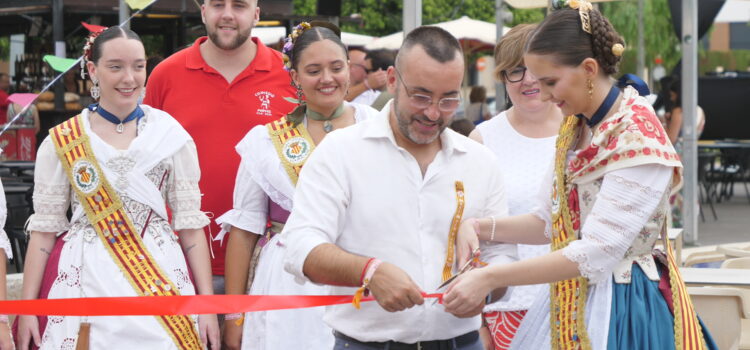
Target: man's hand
{"points": [[376, 80], [393, 289]]}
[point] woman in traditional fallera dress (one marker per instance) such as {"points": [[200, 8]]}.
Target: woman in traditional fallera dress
{"points": [[272, 157], [529, 129], [6, 340], [603, 209], [117, 166]]}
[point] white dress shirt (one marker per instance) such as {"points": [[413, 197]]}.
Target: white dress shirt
{"points": [[362, 192]]}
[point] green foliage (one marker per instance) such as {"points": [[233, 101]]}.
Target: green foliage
{"points": [[660, 39], [526, 16], [4, 48], [730, 60], [303, 7]]}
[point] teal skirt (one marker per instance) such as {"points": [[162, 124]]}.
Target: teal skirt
{"points": [[640, 318]]}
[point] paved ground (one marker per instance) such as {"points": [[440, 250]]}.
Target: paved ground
{"points": [[732, 225]]}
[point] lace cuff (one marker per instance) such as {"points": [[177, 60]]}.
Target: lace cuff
{"points": [[5, 244], [190, 220], [251, 221], [48, 223]]}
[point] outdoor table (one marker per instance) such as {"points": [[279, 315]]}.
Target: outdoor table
{"points": [[706, 276], [735, 160]]}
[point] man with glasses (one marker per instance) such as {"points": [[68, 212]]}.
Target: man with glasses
{"points": [[377, 205]]}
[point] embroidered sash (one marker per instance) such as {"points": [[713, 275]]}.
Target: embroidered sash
{"points": [[455, 223], [114, 227], [293, 145]]}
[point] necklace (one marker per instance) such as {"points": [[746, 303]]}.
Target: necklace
{"points": [[327, 125], [606, 105], [136, 115]]}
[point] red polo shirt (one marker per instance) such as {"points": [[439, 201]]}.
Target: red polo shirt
{"points": [[218, 114]]}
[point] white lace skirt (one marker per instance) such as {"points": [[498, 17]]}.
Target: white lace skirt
{"points": [[86, 269], [283, 329]]}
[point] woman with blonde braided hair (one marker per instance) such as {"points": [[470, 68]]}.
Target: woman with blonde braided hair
{"points": [[603, 208]]}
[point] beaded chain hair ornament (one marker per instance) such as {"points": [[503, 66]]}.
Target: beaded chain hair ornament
{"points": [[87, 58]]}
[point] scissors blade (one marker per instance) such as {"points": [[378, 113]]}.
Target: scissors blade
{"points": [[466, 267]]}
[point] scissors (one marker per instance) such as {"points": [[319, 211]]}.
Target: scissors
{"points": [[467, 267]]}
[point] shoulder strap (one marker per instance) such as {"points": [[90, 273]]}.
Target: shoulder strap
{"points": [[293, 145]]}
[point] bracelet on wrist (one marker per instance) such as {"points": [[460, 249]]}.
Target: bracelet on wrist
{"points": [[238, 318], [368, 272]]}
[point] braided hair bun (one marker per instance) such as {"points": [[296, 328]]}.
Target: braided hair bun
{"points": [[561, 35]]}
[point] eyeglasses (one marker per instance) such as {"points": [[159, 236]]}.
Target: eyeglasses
{"points": [[446, 104], [514, 75]]}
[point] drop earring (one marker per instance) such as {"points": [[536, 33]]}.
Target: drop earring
{"points": [[95, 91]]}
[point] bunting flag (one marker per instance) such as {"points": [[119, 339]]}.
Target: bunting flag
{"points": [[93, 28], [59, 64], [138, 4], [22, 99]]}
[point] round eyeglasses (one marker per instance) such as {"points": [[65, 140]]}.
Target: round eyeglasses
{"points": [[418, 101]]}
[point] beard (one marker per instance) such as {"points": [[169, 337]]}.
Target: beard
{"points": [[241, 38], [405, 122]]}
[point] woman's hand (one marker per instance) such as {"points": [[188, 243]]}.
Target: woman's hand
{"points": [[232, 334], [6, 341], [466, 295], [208, 325], [28, 331], [467, 240]]}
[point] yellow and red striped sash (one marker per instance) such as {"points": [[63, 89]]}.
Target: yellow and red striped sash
{"points": [[293, 145], [567, 297], [688, 333], [108, 217]]}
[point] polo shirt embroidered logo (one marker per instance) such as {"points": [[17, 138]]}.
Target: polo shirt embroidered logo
{"points": [[265, 103], [86, 178], [296, 150]]}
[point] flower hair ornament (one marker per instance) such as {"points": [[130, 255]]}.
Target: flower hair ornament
{"points": [[286, 51], [87, 50], [583, 8]]}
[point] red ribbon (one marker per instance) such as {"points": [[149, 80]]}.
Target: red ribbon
{"points": [[172, 305]]}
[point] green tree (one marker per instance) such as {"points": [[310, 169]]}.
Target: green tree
{"points": [[660, 39], [303, 7]]}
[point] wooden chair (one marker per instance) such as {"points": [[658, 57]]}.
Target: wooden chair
{"points": [[722, 311], [734, 251]]}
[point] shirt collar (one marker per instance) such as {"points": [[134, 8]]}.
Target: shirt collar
{"points": [[262, 61], [381, 129]]}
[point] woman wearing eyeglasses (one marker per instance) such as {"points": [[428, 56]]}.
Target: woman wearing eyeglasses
{"points": [[523, 138]]}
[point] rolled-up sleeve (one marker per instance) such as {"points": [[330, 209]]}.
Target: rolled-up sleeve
{"points": [[320, 201]]}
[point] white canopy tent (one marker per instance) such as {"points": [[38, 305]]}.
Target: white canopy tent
{"points": [[272, 35], [471, 32], [734, 11]]}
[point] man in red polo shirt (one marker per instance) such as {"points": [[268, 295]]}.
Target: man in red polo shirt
{"points": [[218, 89]]}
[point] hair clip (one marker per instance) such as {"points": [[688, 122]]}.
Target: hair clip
{"points": [[583, 7]]}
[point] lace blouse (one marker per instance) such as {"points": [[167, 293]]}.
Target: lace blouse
{"points": [[53, 194]]}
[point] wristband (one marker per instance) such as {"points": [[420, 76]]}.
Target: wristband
{"points": [[364, 271], [369, 270], [238, 318]]}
